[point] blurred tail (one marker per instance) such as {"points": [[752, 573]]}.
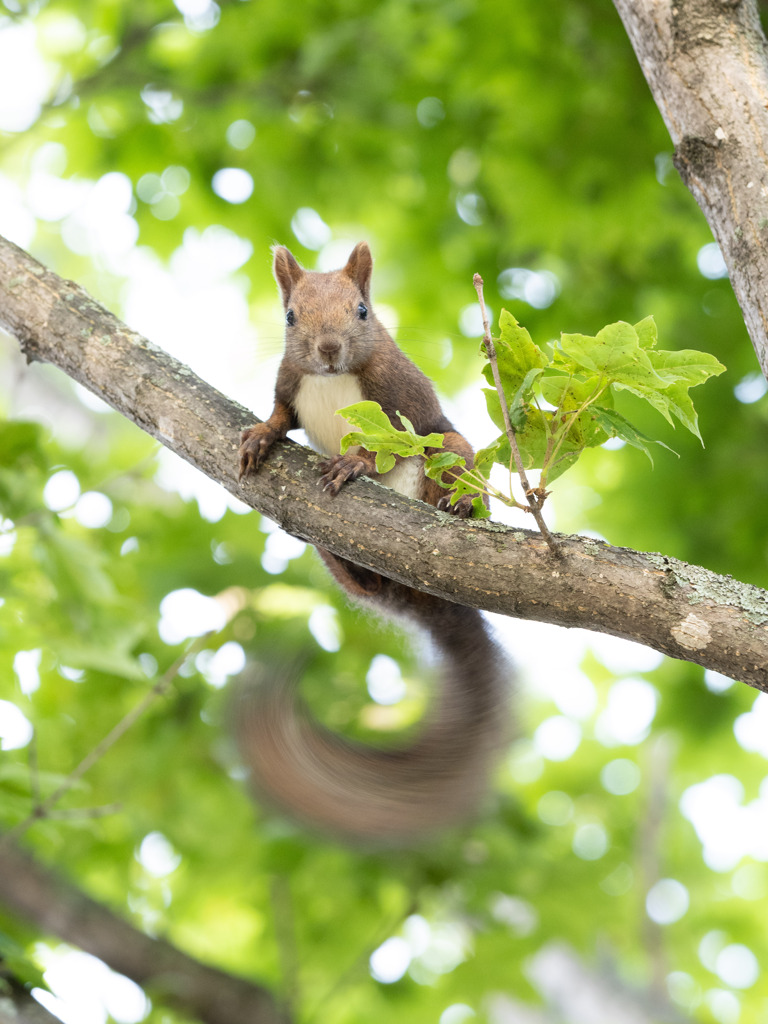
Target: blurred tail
{"points": [[387, 797]]}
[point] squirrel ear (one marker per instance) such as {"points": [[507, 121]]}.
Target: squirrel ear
{"points": [[359, 267], [287, 271]]}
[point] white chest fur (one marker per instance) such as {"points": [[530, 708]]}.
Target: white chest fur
{"points": [[406, 478], [316, 403]]}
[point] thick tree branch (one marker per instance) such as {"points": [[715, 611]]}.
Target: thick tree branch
{"points": [[681, 610], [58, 908], [706, 65]]}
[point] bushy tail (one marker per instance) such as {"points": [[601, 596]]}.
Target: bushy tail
{"points": [[387, 797]]}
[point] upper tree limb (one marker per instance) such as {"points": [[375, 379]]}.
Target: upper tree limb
{"points": [[706, 65]]}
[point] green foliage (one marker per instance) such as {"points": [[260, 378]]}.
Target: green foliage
{"points": [[446, 134], [558, 404], [377, 434], [15, 961], [563, 403]]}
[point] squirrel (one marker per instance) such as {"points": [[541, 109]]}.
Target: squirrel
{"points": [[336, 353]]}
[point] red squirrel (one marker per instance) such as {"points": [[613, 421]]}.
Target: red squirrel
{"points": [[337, 352]]}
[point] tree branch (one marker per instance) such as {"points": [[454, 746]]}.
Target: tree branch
{"points": [[681, 610], [58, 908], [706, 65]]}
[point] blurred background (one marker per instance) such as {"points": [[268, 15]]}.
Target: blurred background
{"points": [[153, 152]]}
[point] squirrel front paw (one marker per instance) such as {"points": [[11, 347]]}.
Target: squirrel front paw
{"points": [[255, 443], [340, 469], [462, 508]]}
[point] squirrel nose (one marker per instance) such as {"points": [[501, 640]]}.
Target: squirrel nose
{"points": [[329, 348]]}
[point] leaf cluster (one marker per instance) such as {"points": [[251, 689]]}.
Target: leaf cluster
{"points": [[558, 400], [377, 434], [561, 399]]}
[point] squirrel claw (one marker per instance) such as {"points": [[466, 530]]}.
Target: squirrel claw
{"points": [[331, 487], [255, 443], [248, 465], [249, 462], [462, 509], [339, 470]]}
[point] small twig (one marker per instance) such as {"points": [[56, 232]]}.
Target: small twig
{"points": [[77, 813], [42, 809], [534, 500]]}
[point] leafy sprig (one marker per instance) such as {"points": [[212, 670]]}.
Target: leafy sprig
{"points": [[376, 433], [550, 403]]}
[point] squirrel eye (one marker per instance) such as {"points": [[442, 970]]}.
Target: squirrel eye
{"points": [[290, 318], [362, 311]]}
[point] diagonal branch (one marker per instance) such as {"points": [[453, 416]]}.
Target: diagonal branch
{"points": [[57, 907], [706, 62], [681, 610]]}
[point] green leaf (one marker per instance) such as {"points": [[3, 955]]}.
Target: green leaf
{"points": [[518, 409], [378, 434], [20, 440], [586, 431], [385, 461], [112, 659], [407, 425], [685, 369], [532, 442], [516, 354], [567, 391], [616, 425], [497, 451], [460, 486], [23, 465], [434, 467], [614, 352], [567, 458], [626, 356], [16, 961], [686, 364], [493, 405], [437, 464], [647, 332]]}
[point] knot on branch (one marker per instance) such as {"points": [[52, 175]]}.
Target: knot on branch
{"points": [[696, 157]]}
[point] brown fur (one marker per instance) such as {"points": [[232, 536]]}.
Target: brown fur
{"points": [[350, 790]]}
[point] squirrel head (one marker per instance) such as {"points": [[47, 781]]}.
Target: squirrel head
{"points": [[330, 327]]}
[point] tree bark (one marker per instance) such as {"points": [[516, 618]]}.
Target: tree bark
{"points": [[707, 67], [58, 908], [681, 610]]}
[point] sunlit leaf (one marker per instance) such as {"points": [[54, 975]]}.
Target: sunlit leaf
{"points": [[616, 425]]}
